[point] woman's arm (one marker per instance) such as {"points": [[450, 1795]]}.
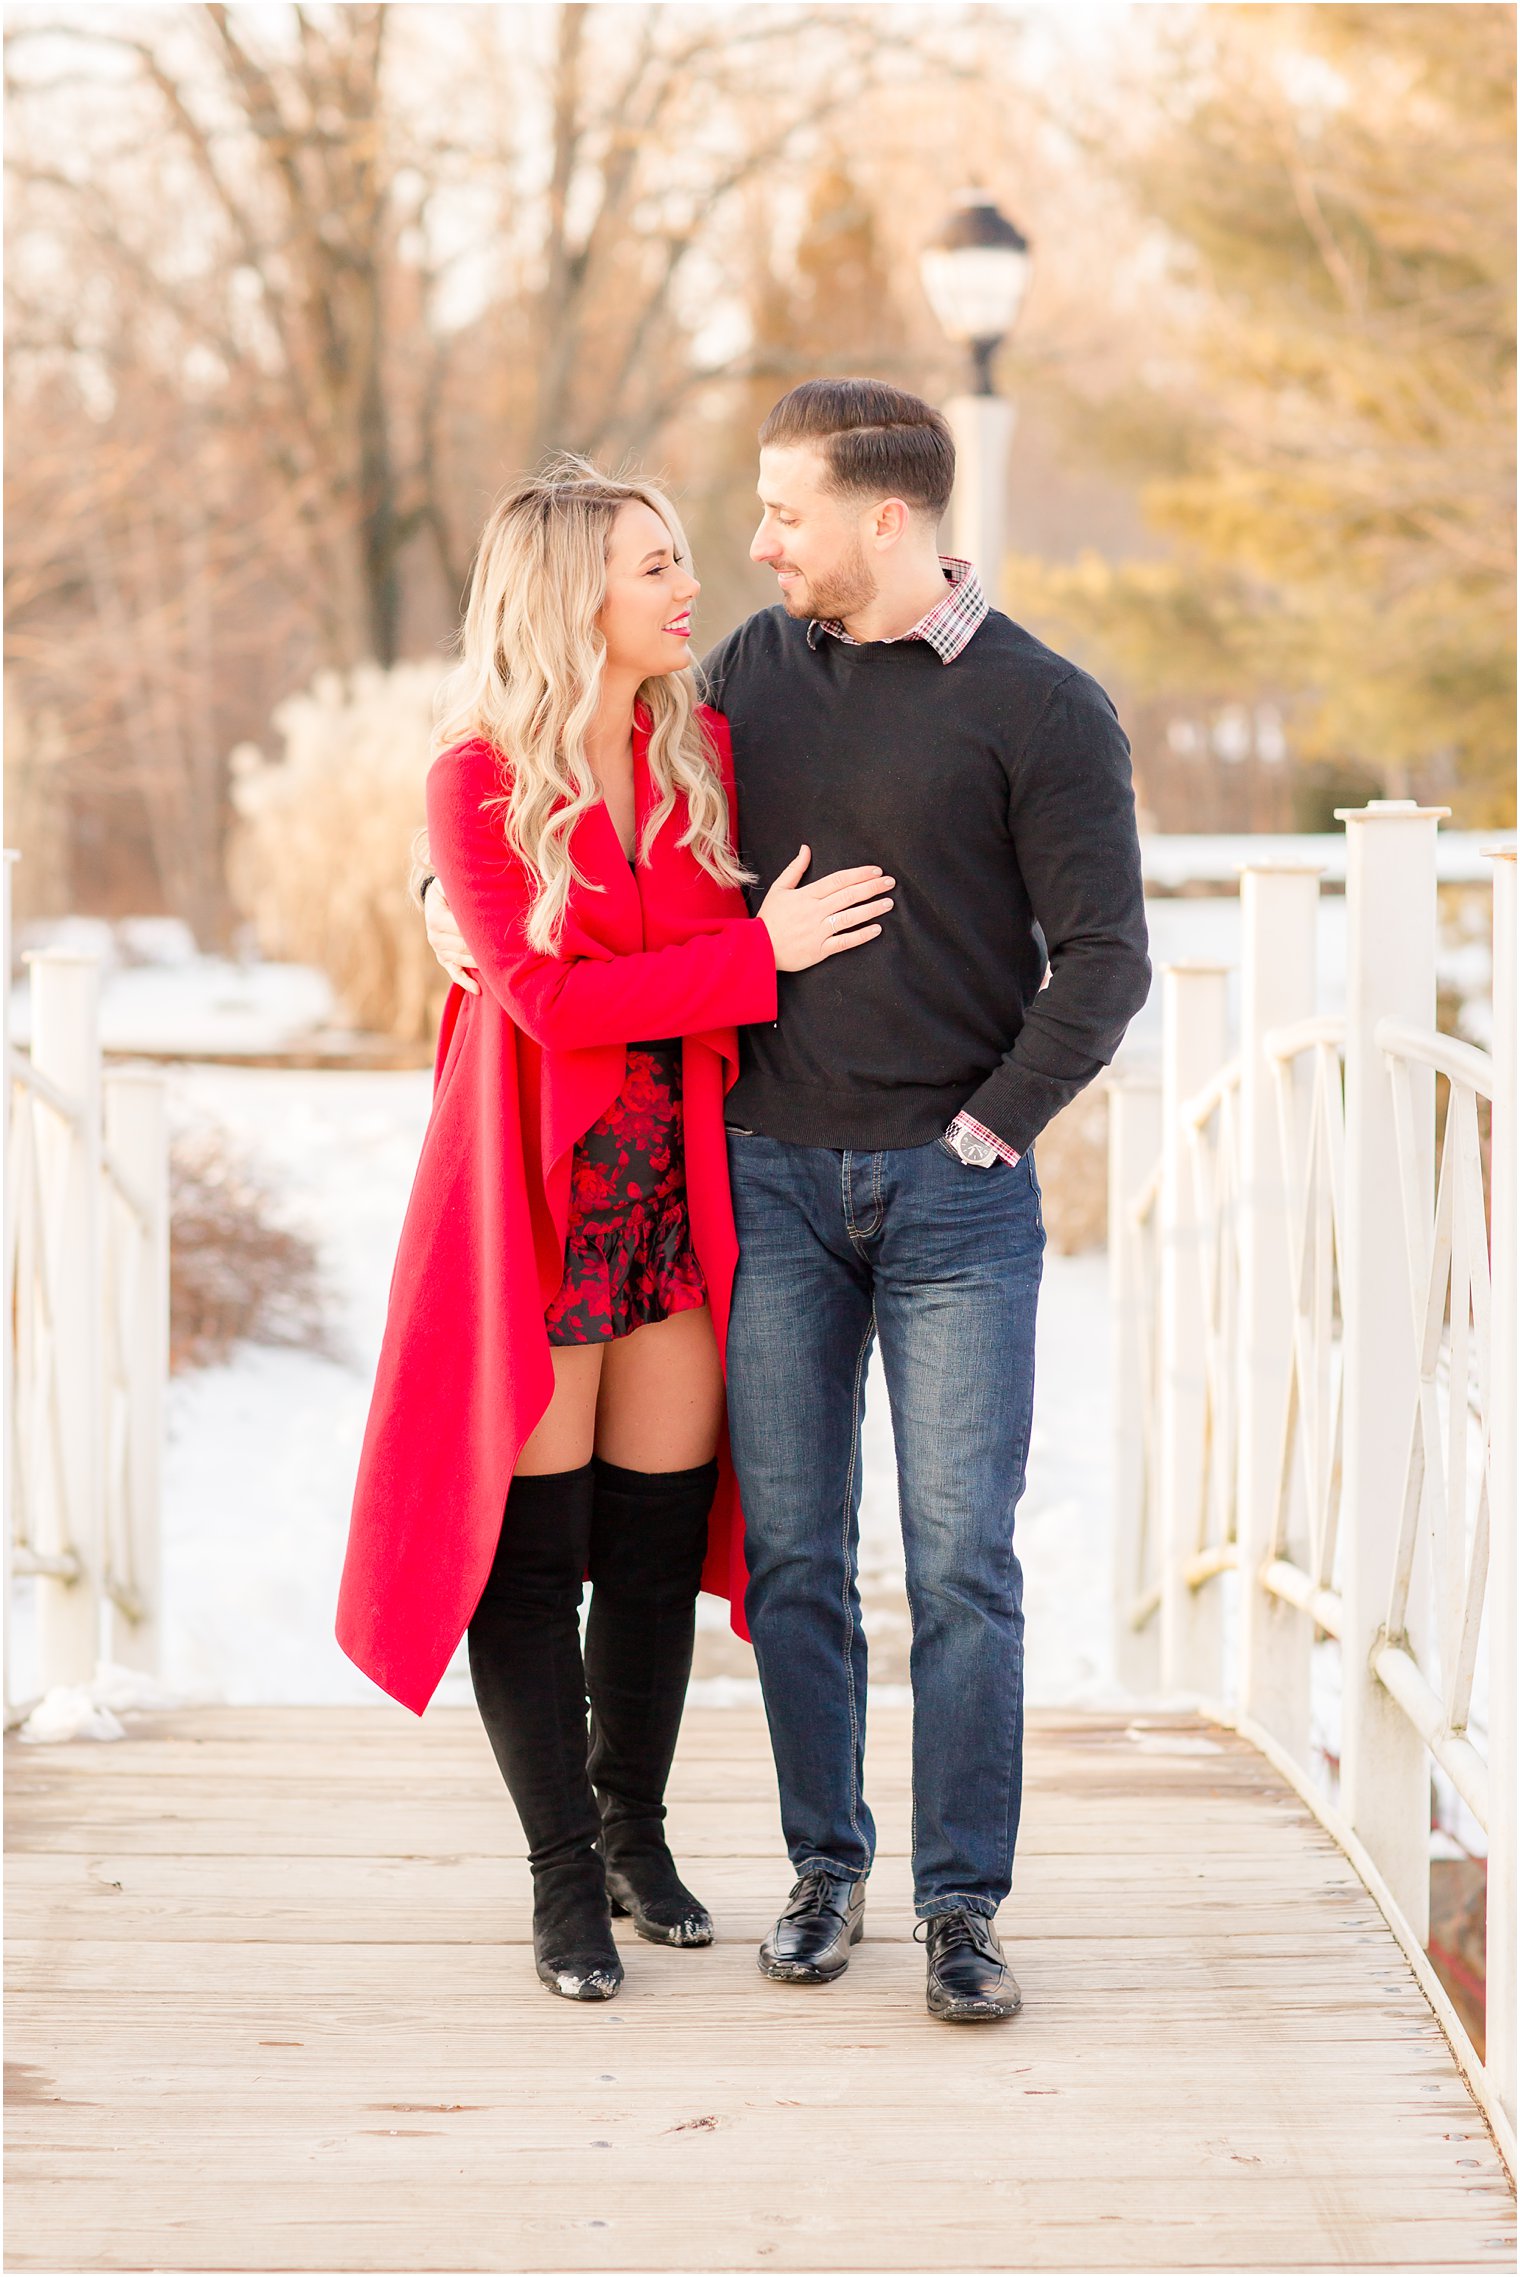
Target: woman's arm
{"points": [[724, 978]]}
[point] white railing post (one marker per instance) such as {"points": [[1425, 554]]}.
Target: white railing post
{"points": [[137, 1289], [1194, 1023], [1134, 1143], [1499, 2051], [1391, 970], [66, 1051], [1279, 910]]}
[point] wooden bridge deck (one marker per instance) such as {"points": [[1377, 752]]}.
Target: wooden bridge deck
{"points": [[272, 2008]]}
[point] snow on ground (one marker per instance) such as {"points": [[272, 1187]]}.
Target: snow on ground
{"points": [[1063, 1532], [262, 1451]]}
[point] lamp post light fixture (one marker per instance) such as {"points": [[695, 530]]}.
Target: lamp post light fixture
{"points": [[975, 274]]}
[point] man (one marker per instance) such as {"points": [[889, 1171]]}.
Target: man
{"points": [[880, 1138]]}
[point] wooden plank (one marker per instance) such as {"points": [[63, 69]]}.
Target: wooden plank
{"points": [[751, 2146], [452, 1737], [456, 1906], [1143, 1968], [742, 1821], [453, 1743], [316, 1834], [293, 2086], [596, 2220]]}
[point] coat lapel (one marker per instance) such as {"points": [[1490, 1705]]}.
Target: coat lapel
{"points": [[612, 919]]}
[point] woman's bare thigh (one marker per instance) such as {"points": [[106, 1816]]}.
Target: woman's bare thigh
{"points": [[661, 1397], [566, 1434]]}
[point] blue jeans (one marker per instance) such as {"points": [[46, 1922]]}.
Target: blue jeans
{"points": [[943, 1262]]}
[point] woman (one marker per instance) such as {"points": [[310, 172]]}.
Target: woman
{"points": [[572, 1207]]}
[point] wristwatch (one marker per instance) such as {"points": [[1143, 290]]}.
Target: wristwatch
{"points": [[972, 1150]]}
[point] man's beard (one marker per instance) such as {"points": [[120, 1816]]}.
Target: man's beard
{"points": [[848, 587]]}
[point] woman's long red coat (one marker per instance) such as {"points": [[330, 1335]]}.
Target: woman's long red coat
{"points": [[522, 1071]]}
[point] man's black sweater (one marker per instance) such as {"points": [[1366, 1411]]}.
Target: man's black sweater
{"points": [[996, 790]]}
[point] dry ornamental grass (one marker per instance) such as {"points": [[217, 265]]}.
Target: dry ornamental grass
{"points": [[321, 855]]}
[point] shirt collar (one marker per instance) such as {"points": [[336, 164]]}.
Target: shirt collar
{"points": [[947, 627]]}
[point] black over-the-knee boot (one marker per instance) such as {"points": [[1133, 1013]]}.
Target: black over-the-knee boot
{"points": [[530, 1684], [648, 1543]]}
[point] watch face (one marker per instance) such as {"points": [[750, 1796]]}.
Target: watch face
{"points": [[973, 1150]]}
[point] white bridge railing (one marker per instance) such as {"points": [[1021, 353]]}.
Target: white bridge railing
{"points": [[1315, 1377], [86, 1335]]}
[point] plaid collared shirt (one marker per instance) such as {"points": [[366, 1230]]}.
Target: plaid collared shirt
{"points": [[946, 627]]}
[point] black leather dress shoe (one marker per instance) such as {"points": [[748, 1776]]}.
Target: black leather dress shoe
{"points": [[810, 1944], [969, 1980]]}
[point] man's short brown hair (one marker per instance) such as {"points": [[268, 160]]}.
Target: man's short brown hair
{"points": [[875, 440]]}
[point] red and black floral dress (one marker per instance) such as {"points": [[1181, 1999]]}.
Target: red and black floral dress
{"points": [[628, 1253]]}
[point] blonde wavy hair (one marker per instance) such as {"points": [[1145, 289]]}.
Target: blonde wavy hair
{"points": [[529, 679]]}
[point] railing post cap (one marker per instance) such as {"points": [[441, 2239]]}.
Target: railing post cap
{"points": [[61, 956], [1391, 810], [1284, 867], [1195, 964], [1498, 853]]}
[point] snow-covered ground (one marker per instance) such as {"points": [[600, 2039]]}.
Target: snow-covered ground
{"points": [[262, 1451]]}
